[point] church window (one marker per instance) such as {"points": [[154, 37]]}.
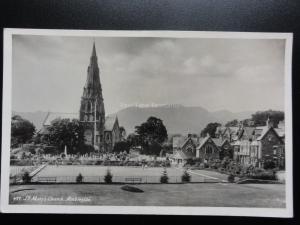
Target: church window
{"points": [[107, 137], [89, 106], [85, 117]]}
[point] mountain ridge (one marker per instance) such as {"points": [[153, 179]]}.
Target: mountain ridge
{"points": [[178, 119]]}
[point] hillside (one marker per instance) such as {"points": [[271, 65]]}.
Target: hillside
{"points": [[177, 119]]}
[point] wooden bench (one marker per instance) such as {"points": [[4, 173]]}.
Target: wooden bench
{"points": [[133, 179], [46, 179]]}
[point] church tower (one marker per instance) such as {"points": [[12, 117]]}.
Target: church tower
{"points": [[92, 114]]}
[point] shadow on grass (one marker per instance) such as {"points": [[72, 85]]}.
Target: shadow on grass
{"points": [[24, 189], [131, 189]]}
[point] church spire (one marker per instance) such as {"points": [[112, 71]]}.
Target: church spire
{"points": [[94, 50], [93, 79]]}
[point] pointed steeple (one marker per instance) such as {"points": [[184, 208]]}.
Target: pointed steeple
{"points": [[93, 79], [94, 50]]}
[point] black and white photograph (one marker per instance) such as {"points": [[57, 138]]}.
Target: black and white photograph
{"points": [[147, 122]]}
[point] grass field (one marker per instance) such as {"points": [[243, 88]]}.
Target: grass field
{"points": [[150, 174], [192, 194]]}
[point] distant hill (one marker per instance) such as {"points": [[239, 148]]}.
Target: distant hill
{"points": [[177, 118], [37, 118]]}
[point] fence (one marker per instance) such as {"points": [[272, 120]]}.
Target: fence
{"points": [[119, 179]]}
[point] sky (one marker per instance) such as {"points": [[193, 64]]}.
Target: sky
{"points": [[49, 72]]}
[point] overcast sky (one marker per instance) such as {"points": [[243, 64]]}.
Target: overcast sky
{"points": [[49, 72]]}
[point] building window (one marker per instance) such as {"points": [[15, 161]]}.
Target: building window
{"points": [[275, 150], [208, 150]]}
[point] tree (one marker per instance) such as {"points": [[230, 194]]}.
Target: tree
{"points": [[64, 132], [133, 140], [121, 146], [151, 134], [22, 130], [122, 133], [260, 117], [232, 123], [210, 129]]}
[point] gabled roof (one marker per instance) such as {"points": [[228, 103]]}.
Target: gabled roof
{"points": [[194, 141], [265, 131], [54, 115], [178, 141], [183, 155], [203, 141], [219, 142], [247, 132], [110, 122]]}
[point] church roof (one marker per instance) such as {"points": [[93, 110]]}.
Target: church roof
{"points": [[110, 122]]}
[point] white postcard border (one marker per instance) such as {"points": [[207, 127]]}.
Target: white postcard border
{"points": [[164, 210]]}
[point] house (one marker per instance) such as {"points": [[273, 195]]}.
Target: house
{"points": [[256, 145], [207, 149], [229, 133], [226, 149], [184, 148]]}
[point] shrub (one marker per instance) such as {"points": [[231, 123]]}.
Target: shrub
{"points": [[186, 177], [269, 164], [108, 177], [79, 178], [164, 178], [26, 178], [266, 175], [230, 178]]}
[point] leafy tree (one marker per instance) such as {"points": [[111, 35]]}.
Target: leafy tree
{"points": [[151, 133], [79, 178], [22, 130], [108, 177], [133, 140], [210, 129], [186, 177], [64, 132], [164, 178], [261, 117], [122, 146], [26, 178], [232, 123]]}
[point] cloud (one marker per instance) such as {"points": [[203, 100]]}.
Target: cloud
{"points": [[49, 72]]}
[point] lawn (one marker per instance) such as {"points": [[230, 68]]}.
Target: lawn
{"points": [[150, 174], [196, 194]]}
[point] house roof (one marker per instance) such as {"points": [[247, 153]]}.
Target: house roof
{"points": [[178, 141], [183, 155], [203, 141], [248, 132], [219, 142]]}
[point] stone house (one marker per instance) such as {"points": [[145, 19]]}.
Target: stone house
{"points": [[207, 150]]}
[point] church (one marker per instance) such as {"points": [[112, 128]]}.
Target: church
{"points": [[100, 131]]}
